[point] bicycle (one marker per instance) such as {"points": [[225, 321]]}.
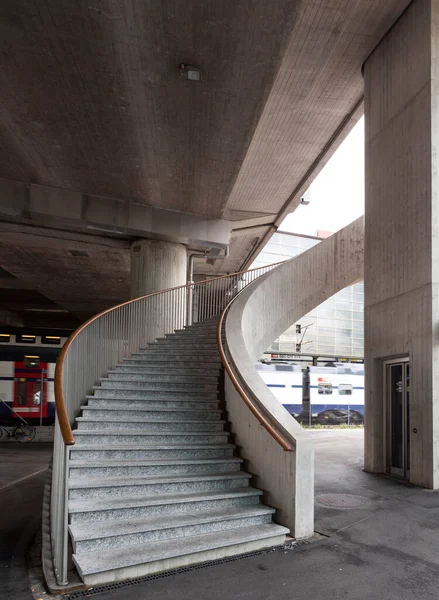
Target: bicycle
{"points": [[23, 432]]}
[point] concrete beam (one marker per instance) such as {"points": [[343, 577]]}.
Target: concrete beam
{"points": [[10, 318], [56, 207]]}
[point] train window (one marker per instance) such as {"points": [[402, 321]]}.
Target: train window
{"points": [[31, 361], [345, 389], [5, 338], [21, 392], [54, 340], [24, 338], [325, 388]]}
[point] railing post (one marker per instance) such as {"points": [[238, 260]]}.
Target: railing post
{"points": [[189, 300], [65, 519]]}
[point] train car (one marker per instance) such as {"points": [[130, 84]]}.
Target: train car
{"points": [[286, 383], [324, 394], [27, 369], [337, 393]]}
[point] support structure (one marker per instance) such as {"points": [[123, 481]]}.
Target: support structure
{"points": [[156, 265], [402, 243]]}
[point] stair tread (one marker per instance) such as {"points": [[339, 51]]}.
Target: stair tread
{"points": [[141, 462], [188, 446], [145, 420], [134, 372], [91, 482], [149, 409], [139, 389], [106, 560], [121, 502], [137, 432], [191, 398], [101, 529]]}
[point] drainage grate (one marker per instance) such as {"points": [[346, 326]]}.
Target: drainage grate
{"points": [[340, 501], [132, 582]]}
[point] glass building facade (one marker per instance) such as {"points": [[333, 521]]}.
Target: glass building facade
{"points": [[335, 328]]}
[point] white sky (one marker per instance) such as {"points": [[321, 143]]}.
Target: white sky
{"points": [[337, 193]]}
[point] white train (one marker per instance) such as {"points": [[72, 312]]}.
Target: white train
{"points": [[27, 369], [322, 394]]}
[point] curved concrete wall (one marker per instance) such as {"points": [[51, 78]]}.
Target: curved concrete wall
{"points": [[263, 311]]}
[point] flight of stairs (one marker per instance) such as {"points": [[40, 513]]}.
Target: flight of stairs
{"points": [[154, 483]]}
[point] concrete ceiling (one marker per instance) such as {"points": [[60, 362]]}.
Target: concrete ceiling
{"points": [[92, 101]]}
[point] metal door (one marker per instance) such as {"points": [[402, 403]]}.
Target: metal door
{"points": [[397, 393]]}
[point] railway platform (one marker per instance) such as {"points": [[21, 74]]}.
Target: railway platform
{"points": [[375, 538]]}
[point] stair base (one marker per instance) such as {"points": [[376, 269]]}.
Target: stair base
{"points": [[167, 564]]}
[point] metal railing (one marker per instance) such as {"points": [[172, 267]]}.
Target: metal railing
{"points": [[240, 385], [100, 344]]}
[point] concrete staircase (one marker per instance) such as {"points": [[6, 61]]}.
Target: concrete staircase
{"points": [[154, 483]]}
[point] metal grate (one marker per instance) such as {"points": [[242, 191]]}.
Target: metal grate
{"points": [[132, 582]]}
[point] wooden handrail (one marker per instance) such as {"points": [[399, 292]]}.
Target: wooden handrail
{"points": [[238, 387], [60, 406]]}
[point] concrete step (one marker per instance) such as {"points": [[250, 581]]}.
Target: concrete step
{"points": [[167, 386], [147, 414], [134, 436], [98, 536], [176, 361], [86, 488], [186, 370], [133, 561], [87, 467], [190, 335], [90, 511], [162, 377], [149, 426], [100, 392], [135, 427], [135, 403], [162, 350], [138, 451], [182, 340], [189, 344]]}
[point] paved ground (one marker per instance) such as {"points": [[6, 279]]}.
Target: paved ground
{"points": [[23, 469], [388, 548]]}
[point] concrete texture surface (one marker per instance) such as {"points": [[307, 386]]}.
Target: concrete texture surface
{"points": [[99, 133], [401, 261], [23, 470], [283, 296], [387, 549]]}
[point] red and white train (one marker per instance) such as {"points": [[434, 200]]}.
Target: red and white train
{"points": [[27, 370]]}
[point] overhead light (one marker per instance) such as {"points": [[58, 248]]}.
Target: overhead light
{"points": [[189, 72], [46, 310]]}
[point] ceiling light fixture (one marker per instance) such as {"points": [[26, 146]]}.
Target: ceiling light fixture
{"points": [[189, 72]]}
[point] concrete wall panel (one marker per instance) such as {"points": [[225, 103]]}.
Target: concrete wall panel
{"points": [[401, 233], [263, 311]]}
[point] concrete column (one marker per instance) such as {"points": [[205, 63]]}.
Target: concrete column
{"points": [[401, 233], [156, 265]]}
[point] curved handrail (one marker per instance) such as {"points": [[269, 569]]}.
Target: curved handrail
{"points": [[253, 409], [60, 405]]}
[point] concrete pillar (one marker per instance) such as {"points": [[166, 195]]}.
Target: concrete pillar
{"points": [[401, 233], [156, 265]]}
